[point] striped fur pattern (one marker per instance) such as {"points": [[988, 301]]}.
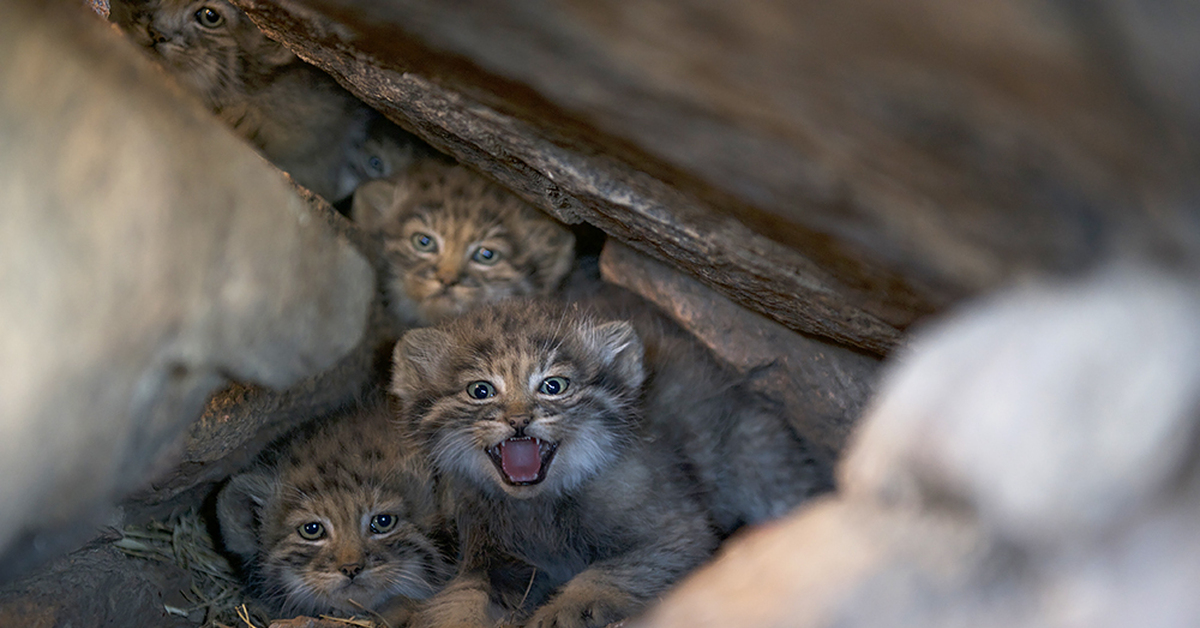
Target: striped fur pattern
{"points": [[340, 519], [454, 240], [650, 453]]}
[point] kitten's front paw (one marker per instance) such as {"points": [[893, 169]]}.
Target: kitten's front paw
{"points": [[583, 608], [456, 607]]}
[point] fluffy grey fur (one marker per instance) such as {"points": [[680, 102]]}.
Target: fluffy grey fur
{"points": [[649, 452]]}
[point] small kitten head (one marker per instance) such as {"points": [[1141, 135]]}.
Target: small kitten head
{"points": [[209, 44], [522, 398], [340, 524], [455, 241], [384, 150]]}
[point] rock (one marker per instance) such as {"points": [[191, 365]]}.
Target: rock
{"points": [[1053, 411], [572, 181], [147, 256], [844, 169], [241, 419], [822, 388], [813, 568]]}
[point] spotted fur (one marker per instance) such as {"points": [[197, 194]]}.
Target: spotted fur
{"points": [[464, 216], [340, 519], [298, 116], [657, 452]]}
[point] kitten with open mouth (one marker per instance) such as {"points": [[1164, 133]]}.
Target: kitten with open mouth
{"points": [[609, 454]]}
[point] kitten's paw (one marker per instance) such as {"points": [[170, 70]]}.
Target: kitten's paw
{"points": [[455, 607], [583, 608]]}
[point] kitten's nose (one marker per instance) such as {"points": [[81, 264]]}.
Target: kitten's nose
{"points": [[447, 273], [351, 569], [519, 421], [155, 36]]}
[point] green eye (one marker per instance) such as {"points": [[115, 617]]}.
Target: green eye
{"points": [[208, 17], [311, 531], [480, 390], [486, 256], [554, 386], [382, 524], [424, 242]]}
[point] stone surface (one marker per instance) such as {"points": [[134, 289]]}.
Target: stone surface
{"points": [[1054, 411], [146, 256], [821, 387], [572, 180], [1034, 461], [842, 168], [241, 419]]}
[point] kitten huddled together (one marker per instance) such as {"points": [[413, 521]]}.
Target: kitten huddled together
{"points": [[586, 452], [582, 455], [297, 115]]}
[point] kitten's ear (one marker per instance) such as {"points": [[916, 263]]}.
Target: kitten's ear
{"points": [[269, 52], [373, 203], [618, 344], [239, 511], [417, 359]]}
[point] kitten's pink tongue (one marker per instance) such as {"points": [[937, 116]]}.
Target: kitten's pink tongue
{"points": [[521, 459]]}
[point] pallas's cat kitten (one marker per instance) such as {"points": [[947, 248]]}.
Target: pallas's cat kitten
{"points": [[610, 457], [299, 117], [454, 240], [340, 519]]}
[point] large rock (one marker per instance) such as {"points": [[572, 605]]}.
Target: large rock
{"points": [[241, 419], [147, 256], [844, 168]]}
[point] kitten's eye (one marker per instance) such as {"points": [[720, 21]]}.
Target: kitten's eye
{"points": [[381, 524], [311, 531], [424, 242], [486, 256], [376, 166], [209, 17], [480, 390], [554, 386]]}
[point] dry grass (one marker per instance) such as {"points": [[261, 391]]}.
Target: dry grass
{"points": [[216, 593]]}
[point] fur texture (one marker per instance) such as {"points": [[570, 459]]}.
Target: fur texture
{"points": [[297, 115], [454, 240], [611, 454], [340, 519]]}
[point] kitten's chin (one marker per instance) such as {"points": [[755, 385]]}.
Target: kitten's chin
{"points": [[354, 598]]}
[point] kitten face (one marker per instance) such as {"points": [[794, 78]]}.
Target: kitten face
{"points": [[455, 241], [347, 549], [343, 522], [209, 44], [522, 398]]}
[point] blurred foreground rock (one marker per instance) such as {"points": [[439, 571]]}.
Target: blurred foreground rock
{"points": [[147, 256], [1033, 461], [239, 420]]}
